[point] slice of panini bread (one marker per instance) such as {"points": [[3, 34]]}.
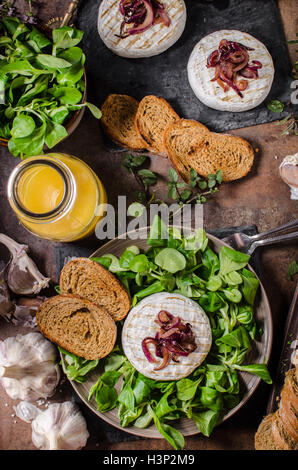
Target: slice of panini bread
{"points": [[282, 438], [90, 280], [291, 387], [177, 139], [117, 121], [264, 439], [288, 408], [209, 152], [77, 325], [279, 430], [153, 116], [289, 416]]}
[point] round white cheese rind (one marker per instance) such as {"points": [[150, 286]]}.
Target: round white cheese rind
{"points": [[157, 39], [213, 95], [140, 323]]}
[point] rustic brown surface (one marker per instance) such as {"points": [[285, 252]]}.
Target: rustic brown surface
{"points": [[261, 198]]}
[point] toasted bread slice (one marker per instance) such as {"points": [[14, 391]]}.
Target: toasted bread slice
{"points": [[90, 280], [153, 116], [283, 440], [118, 115], [77, 325], [289, 416], [209, 152], [177, 139], [264, 439], [291, 387]]}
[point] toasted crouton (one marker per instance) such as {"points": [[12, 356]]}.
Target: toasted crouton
{"points": [[118, 115]]}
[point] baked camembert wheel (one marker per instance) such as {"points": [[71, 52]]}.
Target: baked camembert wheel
{"points": [[150, 41], [141, 324], [231, 86]]}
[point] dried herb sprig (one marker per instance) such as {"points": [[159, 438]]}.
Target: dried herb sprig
{"points": [[292, 270], [195, 192], [7, 8], [290, 121], [144, 177]]}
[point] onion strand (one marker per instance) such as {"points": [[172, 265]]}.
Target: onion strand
{"points": [[174, 339], [230, 60]]}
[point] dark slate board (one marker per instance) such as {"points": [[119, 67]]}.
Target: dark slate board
{"points": [[166, 74], [103, 431]]}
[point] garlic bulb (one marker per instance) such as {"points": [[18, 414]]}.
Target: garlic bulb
{"points": [[23, 276], [28, 368], [59, 427], [288, 171]]}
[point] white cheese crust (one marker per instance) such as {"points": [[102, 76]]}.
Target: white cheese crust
{"points": [[140, 323], [154, 41], [210, 93]]}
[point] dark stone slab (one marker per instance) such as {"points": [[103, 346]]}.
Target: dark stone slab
{"points": [[166, 74]]}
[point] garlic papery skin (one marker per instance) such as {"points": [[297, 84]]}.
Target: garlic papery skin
{"points": [[288, 171], [23, 276], [59, 427], [6, 305], [28, 367]]}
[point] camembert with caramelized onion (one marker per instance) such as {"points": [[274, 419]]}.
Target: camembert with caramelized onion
{"points": [[141, 323], [210, 93], [155, 40]]}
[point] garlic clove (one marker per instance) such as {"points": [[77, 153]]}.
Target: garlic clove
{"points": [[23, 276], [288, 171], [26, 411], [59, 427]]}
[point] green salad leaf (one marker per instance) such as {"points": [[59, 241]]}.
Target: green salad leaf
{"points": [[226, 289], [42, 82]]}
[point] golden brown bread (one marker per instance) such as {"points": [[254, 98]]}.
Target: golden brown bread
{"points": [[264, 439], [177, 139], [279, 430], [209, 152], [283, 440], [77, 325], [153, 116], [90, 280], [117, 121]]}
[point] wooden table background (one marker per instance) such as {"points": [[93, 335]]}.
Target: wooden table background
{"points": [[261, 199]]}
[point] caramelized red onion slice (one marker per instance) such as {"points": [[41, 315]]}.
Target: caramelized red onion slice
{"points": [[249, 72], [174, 339], [230, 60], [166, 359], [146, 351], [139, 15]]}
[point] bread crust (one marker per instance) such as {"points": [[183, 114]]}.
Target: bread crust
{"points": [[117, 121], [210, 152], [153, 116], [177, 138], [90, 280], [279, 430], [85, 330], [264, 439]]}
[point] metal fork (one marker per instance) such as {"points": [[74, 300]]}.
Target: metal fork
{"points": [[271, 241], [248, 243]]}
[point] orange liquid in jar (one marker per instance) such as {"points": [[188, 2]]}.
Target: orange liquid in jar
{"points": [[41, 188]]}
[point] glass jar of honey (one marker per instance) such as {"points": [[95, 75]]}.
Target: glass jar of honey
{"points": [[57, 197]]}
